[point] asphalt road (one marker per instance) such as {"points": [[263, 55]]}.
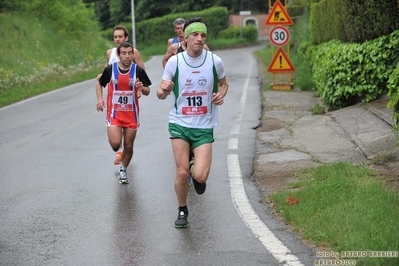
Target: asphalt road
{"points": [[61, 203]]}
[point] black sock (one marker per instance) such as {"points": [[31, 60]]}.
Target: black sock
{"points": [[184, 208]]}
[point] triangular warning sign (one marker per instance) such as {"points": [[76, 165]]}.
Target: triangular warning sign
{"points": [[281, 63], [278, 16]]}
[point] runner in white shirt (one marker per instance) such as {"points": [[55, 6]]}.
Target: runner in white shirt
{"points": [[121, 35], [197, 81]]}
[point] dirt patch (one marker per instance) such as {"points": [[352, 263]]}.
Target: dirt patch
{"points": [[271, 124], [389, 173]]}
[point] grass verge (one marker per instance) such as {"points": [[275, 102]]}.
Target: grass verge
{"points": [[36, 57], [20, 93], [343, 207], [264, 56]]}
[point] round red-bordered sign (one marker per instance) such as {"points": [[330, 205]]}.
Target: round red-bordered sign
{"points": [[279, 36]]}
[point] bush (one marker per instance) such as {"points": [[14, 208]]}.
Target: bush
{"points": [[353, 21], [249, 32], [393, 86], [70, 16], [352, 72], [160, 29]]}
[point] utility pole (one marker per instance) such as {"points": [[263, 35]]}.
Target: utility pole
{"points": [[133, 25]]}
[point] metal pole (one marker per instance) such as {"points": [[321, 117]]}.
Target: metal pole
{"points": [[240, 26], [133, 25]]}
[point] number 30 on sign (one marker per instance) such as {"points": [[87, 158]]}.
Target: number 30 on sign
{"points": [[279, 36]]}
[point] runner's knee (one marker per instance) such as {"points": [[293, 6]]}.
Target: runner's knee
{"points": [[115, 145], [182, 173], [200, 176], [115, 148]]}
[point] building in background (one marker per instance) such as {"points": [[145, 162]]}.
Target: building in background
{"points": [[258, 20]]}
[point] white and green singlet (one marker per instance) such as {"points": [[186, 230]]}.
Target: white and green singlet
{"points": [[195, 79]]}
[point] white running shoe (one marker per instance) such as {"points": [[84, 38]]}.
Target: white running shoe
{"points": [[123, 177]]}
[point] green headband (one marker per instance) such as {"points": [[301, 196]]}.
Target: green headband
{"points": [[194, 27]]}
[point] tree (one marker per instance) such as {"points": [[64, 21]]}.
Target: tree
{"points": [[111, 12]]}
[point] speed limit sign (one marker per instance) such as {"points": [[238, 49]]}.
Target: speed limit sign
{"points": [[279, 36]]}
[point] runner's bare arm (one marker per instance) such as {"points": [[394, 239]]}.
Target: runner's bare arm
{"points": [[108, 56], [169, 53], [218, 98], [100, 101], [164, 89], [140, 86], [170, 42], [137, 58]]}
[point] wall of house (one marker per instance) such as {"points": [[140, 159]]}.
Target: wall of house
{"points": [[256, 19]]}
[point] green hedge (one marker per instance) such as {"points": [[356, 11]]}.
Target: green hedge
{"points": [[351, 72], [393, 86], [248, 32], [296, 10], [71, 17], [353, 21], [161, 29]]}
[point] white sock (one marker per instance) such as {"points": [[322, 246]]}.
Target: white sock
{"points": [[122, 168]]}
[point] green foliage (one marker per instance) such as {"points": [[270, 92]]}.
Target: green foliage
{"points": [[230, 32], [43, 55], [347, 72], [119, 10], [300, 34], [302, 59], [393, 86], [45, 60], [160, 29], [112, 12], [264, 57], [321, 18], [229, 43], [295, 11], [248, 32], [353, 21], [317, 109], [8, 6], [70, 16]]}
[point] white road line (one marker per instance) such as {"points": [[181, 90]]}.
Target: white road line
{"points": [[240, 198], [235, 130], [233, 144], [243, 99], [252, 220]]}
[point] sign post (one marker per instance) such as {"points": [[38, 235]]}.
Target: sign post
{"points": [[279, 36], [281, 63]]}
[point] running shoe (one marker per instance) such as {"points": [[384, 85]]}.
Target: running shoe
{"points": [[181, 221], [123, 177], [118, 159], [199, 187]]}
